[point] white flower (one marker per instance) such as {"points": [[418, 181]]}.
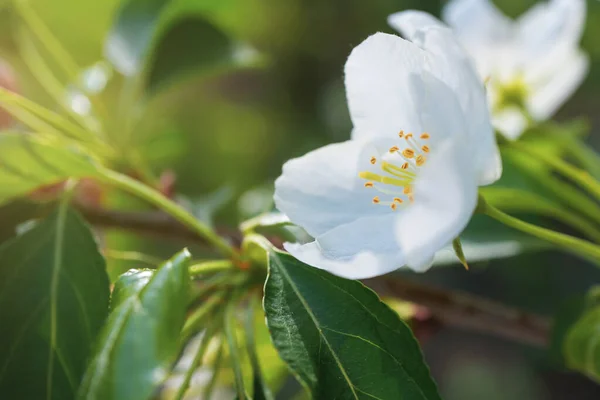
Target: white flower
{"points": [[405, 185], [533, 63]]}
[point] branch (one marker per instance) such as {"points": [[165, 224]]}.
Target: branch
{"points": [[450, 308]]}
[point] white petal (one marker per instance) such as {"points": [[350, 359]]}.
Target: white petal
{"points": [[551, 26], [510, 122], [566, 76], [363, 265], [322, 190], [381, 77], [445, 198], [477, 22]]}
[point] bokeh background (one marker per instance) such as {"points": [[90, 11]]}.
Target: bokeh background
{"points": [[223, 136]]}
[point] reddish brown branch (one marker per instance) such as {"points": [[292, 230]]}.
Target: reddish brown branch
{"points": [[450, 308]]}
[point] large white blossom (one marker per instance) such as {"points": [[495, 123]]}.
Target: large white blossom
{"points": [[532, 64], [405, 185]]}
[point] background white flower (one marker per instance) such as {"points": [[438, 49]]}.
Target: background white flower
{"points": [[532, 63], [405, 185]]}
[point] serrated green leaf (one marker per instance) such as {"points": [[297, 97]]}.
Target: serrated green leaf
{"points": [[141, 339], [54, 294], [28, 162], [339, 339]]}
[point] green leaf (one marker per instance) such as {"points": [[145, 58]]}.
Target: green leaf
{"points": [[141, 339], [153, 36], [54, 294], [582, 343], [340, 340], [28, 162], [132, 34], [129, 284]]}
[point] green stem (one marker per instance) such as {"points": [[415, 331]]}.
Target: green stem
{"points": [[195, 363], [569, 243], [198, 317], [579, 176], [584, 154], [566, 193], [208, 267], [157, 199], [216, 367], [236, 361]]}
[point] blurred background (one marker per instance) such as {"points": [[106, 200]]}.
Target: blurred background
{"points": [[219, 136]]}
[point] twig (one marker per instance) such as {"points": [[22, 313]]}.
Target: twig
{"points": [[469, 312], [450, 308]]}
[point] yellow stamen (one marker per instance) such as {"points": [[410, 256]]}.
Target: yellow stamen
{"points": [[398, 200], [408, 153], [409, 136], [394, 149], [394, 206], [397, 172], [425, 149], [401, 134], [425, 135], [405, 165], [369, 185], [420, 161], [371, 176], [373, 160], [376, 200], [407, 190]]}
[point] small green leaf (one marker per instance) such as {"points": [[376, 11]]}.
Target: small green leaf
{"points": [[141, 339], [28, 162], [129, 284], [582, 343], [339, 339], [54, 294], [460, 254]]}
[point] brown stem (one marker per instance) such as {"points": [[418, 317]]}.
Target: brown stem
{"points": [[450, 308]]}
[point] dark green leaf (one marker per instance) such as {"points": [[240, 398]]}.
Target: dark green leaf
{"points": [[28, 162], [141, 339], [54, 291], [340, 340]]}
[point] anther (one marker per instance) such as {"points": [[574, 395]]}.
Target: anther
{"points": [[407, 190], [420, 160], [425, 149], [401, 134], [369, 184], [425, 135], [408, 153], [409, 136], [394, 149], [394, 206], [398, 200], [405, 165], [376, 200], [373, 160]]}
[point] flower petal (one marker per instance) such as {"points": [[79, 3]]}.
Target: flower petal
{"points": [[445, 198], [566, 76], [380, 85], [550, 27], [363, 265], [477, 22], [322, 190], [361, 249]]}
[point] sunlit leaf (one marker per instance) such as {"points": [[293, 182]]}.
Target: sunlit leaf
{"points": [[141, 339], [28, 162], [339, 339], [54, 299]]}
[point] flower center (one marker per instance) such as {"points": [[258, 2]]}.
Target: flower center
{"points": [[399, 167], [511, 94]]}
